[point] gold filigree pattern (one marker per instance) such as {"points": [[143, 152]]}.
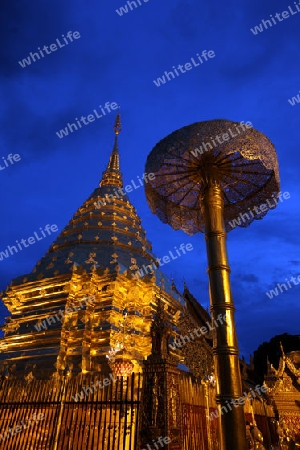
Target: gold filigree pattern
{"points": [[68, 261], [197, 354], [134, 265], [91, 259], [292, 367]]}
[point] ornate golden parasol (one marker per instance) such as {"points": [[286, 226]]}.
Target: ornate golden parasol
{"points": [[206, 175]]}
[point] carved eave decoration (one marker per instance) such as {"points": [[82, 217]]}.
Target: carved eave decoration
{"points": [[279, 381], [197, 353]]}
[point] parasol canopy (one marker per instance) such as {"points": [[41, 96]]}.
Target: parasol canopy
{"points": [[239, 158]]}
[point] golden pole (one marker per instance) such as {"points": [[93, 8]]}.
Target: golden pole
{"points": [[225, 347]]}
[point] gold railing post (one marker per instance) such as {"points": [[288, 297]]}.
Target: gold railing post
{"points": [[206, 390], [61, 410]]}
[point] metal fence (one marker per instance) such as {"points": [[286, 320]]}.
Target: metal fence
{"points": [[70, 414]]}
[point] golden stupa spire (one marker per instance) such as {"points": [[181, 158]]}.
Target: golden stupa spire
{"points": [[112, 175]]}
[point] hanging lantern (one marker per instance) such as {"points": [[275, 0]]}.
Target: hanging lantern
{"points": [[119, 362], [123, 368]]}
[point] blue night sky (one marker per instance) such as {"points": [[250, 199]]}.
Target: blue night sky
{"points": [[115, 59]]}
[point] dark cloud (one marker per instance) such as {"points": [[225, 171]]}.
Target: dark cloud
{"points": [[248, 278]]}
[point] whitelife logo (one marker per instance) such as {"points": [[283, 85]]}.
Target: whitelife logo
{"points": [[188, 66], [124, 9], [182, 340], [274, 292], [206, 146], [11, 158], [18, 428], [166, 259], [53, 318], [267, 23], [31, 240], [90, 118], [128, 188], [93, 388], [161, 441], [292, 101], [53, 48], [263, 207], [239, 401]]}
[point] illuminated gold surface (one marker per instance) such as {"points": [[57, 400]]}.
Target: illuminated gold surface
{"points": [[284, 392], [97, 253], [102, 321], [225, 347], [205, 192], [206, 387], [112, 175], [197, 353]]}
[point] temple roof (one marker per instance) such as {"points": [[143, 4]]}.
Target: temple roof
{"points": [[104, 232], [200, 315]]}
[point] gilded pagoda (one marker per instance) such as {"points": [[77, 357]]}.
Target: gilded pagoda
{"points": [[68, 312]]}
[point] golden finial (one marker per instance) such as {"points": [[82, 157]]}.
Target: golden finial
{"points": [[112, 175], [118, 124]]}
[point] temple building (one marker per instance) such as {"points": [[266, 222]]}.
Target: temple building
{"points": [[284, 394], [101, 349]]}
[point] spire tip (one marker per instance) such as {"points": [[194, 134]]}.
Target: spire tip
{"points": [[118, 124], [112, 175]]}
